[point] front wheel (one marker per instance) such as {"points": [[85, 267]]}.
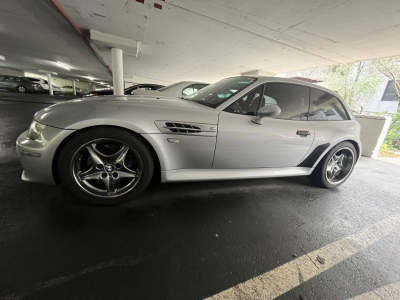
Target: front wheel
{"points": [[105, 166], [336, 166], [21, 89]]}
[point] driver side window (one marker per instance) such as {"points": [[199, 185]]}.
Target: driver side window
{"points": [[248, 104]]}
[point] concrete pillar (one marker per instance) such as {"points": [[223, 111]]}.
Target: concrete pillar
{"points": [[50, 82], [74, 86], [118, 72]]}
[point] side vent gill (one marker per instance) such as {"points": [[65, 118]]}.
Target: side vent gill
{"points": [[180, 127]]}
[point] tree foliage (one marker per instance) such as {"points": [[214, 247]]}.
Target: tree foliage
{"points": [[390, 67], [356, 82]]}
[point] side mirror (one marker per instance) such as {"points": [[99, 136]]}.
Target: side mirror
{"points": [[268, 111]]}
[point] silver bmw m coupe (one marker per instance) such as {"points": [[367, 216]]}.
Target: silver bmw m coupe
{"points": [[106, 150]]}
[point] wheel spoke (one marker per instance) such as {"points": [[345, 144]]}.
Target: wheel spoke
{"points": [[127, 174], [95, 155], [340, 160], [119, 156], [91, 174], [110, 183]]}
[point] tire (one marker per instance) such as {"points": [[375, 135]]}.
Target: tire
{"points": [[89, 160], [21, 89], [324, 174]]}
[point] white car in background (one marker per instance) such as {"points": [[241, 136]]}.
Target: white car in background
{"points": [[45, 85], [180, 89], [69, 89]]}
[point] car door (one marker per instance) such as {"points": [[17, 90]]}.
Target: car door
{"points": [[2, 82], [9, 82], [278, 142]]}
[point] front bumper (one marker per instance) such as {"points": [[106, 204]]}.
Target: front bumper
{"points": [[37, 156]]}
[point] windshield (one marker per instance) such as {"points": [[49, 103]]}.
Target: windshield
{"points": [[217, 93]]}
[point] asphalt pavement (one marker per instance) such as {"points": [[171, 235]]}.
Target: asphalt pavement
{"points": [[245, 239]]}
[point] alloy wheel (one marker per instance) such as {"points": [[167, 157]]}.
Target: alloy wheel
{"points": [[106, 167], [21, 89], [340, 165]]}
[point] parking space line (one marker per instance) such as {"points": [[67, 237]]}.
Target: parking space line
{"points": [[386, 292], [290, 275]]}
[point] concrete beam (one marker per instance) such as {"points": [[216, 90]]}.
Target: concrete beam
{"points": [[105, 40]]}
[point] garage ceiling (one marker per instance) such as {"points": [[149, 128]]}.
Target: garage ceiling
{"points": [[210, 39], [33, 36], [203, 40]]}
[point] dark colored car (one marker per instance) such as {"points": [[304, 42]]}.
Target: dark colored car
{"points": [[19, 84], [127, 91]]}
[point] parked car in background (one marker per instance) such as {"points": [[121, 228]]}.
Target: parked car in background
{"points": [[106, 150], [19, 84], [180, 89], [69, 89], [127, 91], [45, 85]]}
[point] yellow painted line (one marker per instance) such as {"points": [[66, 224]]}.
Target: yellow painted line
{"points": [[387, 292], [290, 275]]}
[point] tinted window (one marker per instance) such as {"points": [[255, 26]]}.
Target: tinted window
{"points": [[198, 86], [188, 90], [325, 107], [390, 92], [248, 104], [292, 99], [217, 93]]}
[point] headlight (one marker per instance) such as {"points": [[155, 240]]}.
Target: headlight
{"points": [[35, 130]]}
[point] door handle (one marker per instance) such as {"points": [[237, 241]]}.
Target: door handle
{"points": [[303, 132]]}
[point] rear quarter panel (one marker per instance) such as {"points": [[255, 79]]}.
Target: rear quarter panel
{"points": [[334, 132]]}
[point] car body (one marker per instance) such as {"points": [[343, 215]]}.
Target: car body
{"points": [[179, 89], [45, 85], [127, 91], [237, 128], [19, 84], [69, 89]]}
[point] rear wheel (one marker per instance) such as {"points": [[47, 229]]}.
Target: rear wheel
{"points": [[105, 166], [335, 168], [21, 89]]}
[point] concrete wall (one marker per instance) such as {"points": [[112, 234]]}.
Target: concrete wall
{"points": [[4, 71], [373, 133]]}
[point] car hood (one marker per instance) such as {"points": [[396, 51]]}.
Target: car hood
{"points": [[135, 112]]}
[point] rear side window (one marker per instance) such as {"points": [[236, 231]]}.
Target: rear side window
{"points": [[188, 90], [198, 86], [326, 107], [292, 99]]}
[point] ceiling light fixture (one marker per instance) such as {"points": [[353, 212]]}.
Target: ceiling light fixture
{"points": [[2, 57], [62, 65]]}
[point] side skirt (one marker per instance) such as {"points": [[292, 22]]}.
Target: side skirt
{"points": [[229, 174]]}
